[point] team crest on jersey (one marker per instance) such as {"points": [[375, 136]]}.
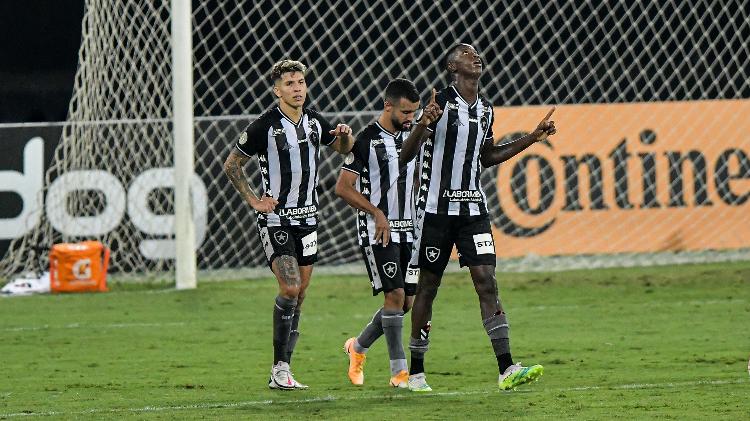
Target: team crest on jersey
{"points": [[451, 106], [432, 254], [281, 237], [314, 137], [390, 269], [375, 142], [243, 138]]}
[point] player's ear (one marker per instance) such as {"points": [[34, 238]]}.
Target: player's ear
{"points": [[387, 105], [450, 66], [276, 90]]}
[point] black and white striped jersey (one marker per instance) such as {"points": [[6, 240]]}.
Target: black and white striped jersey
{"points": [[449, 159], [383, 182], [288, 156]]}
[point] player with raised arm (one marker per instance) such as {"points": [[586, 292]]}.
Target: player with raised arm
{"points": [[452, 209], [373, 182], [286, 140]]}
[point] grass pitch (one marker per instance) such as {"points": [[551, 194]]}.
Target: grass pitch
{"points": [[637, 343]]}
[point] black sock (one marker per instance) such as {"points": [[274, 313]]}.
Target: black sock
{"points": [[503, 362], [293, 336], [283, 312], [417, 364]]}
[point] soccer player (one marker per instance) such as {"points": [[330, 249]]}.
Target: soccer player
{"points": [[287, 140], [452, 209], [373, 181]]}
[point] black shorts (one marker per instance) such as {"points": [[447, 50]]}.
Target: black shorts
{"points": [[435, 236], [387, 267], [299, 241]]}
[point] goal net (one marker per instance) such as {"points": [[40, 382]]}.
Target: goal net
{"points": [[651, 163]]}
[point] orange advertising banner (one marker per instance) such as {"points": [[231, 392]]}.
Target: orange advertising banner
{"points": [[618, 178]]}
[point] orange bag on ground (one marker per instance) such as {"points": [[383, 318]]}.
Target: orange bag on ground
{"points": [[78, 267]]}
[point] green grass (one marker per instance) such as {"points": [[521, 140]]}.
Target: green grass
{"points": [[638, 343]]}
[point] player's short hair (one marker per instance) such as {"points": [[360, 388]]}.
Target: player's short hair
{"points": [[448, 57], [401, 88], [286, 66]]}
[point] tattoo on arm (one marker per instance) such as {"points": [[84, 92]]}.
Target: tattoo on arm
{"points": [[233, 167], [288, 270]]}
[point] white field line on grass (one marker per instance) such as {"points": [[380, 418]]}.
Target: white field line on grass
{"points": [[357, 316], [331, 398]]}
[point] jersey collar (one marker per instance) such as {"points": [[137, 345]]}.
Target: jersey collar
{"points": [[301, 117], [458, 94]]}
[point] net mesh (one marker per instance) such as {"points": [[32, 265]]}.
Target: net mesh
{"points": [[578, 54]]}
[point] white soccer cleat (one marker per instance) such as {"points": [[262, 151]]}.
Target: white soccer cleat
{"points": [[298, 385], [418, 383], [281, 377]]}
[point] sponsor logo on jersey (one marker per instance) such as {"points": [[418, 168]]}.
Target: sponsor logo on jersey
{"points": [[484, 244], [298, 213], [401, 225], [463, 195]]}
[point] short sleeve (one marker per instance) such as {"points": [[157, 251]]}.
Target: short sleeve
{"points": [[489, 134], [356, 160], [254, 138], [326, 138]]}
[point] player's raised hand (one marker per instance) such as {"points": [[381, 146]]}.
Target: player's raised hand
{"points": [[546, 127], [382, 228], [265, 204], [431, 112], [341, 130]]}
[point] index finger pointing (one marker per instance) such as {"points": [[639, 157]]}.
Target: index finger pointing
{"points": [[549, 114], [432, 101]]}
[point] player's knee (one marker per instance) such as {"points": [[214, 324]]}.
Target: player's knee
{"points": [[486, 286], [290, 291], [395, 298], [428, 286]]}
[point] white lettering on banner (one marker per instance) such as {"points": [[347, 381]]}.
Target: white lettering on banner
{"points": [[463, 195], [310, 244], [82, 226], [142, 216], [27, 184], [484, 243], [150, 223]]}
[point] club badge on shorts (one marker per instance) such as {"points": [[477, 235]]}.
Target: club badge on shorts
{"points": [[281, 237], [390, 269], [432, 254]]}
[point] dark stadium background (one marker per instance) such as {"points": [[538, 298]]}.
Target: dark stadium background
{"points": [[39, 42]]}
